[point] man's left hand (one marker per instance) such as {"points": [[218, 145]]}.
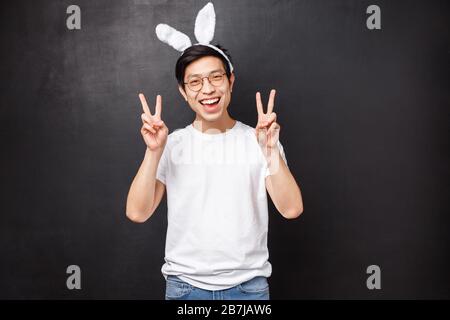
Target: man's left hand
{"points": [[267, 129]]}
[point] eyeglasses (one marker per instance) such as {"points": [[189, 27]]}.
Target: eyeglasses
{"points": [[214, 78]]}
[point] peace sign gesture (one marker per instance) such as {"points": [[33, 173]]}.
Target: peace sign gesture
{"points": [[267, 129], [154, 130]]}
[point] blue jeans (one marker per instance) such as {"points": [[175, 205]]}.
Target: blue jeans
{"points": [[254, 289]]}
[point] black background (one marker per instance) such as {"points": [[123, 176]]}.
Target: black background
{"points": [[364, 123]]}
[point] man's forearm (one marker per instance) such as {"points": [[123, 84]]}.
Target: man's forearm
{"points": [[285, 192], [142, 190]]}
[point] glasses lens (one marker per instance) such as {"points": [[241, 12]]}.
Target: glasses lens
{"points": [[195, 84], [216, 78]]}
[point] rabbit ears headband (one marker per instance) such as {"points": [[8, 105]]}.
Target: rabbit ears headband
{"points": [[205, 24]]}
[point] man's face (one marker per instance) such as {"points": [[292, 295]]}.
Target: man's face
{"points": [[198, 100]]}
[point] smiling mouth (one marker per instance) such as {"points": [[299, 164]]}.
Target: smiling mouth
{"points": [[210, 102]]}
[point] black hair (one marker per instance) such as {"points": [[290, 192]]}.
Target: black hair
{"points": [[196, 52]]}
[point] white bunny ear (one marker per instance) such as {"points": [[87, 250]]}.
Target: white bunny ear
{"points": [[172, 37], [205, 23]]}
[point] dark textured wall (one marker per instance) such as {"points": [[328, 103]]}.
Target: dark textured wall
{"points": [[364, 117]]}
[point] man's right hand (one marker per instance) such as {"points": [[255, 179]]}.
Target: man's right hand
{"points": [[154, 130]]}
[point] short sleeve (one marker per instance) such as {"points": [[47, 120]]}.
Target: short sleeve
{"points": [[283, 156], [161, 172]]}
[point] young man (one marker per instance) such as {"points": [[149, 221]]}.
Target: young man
{"points": [[216, 172]]}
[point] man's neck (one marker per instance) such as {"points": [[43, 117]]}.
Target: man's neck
{"points": [[223, 124]]}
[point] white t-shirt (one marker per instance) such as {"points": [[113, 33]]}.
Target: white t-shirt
{"points": [[217, 206]]}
